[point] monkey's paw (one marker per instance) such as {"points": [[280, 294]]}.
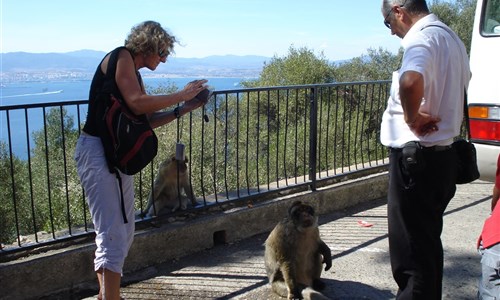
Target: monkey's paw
{"points": [[295, 293]]}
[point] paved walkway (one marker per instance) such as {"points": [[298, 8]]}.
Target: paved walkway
{"points": [[361, 268]]}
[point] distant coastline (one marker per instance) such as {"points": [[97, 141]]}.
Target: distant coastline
{"points": [[51, 90], [81, 65], [56, 76]]}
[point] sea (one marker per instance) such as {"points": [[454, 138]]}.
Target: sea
{"points": [[47, 91], [27, 92]]}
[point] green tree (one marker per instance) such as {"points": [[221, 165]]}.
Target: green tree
{"points": [[459, 15], [15, 207], [300, 66], [54, 171], [375, 65]]}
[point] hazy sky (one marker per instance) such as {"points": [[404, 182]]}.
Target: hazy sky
{"points": [[341, 29]]}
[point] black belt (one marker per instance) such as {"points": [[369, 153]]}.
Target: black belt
{"points": [[436, 148]]}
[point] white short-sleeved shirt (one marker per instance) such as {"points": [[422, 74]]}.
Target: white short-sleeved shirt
{"points": [[441, 58]]}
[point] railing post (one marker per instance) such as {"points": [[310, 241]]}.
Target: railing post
{"points": [[313, 134]]}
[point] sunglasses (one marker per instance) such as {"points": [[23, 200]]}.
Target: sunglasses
{"points": [[163, 53], [386, 21]]}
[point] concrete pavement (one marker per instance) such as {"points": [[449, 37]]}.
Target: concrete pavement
{"points": [[361, 268]]}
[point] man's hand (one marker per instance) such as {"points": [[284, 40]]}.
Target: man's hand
{"points": [[424, 124], [411, 91]]}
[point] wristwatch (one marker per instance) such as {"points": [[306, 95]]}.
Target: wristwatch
{"points": [[177, 113]]}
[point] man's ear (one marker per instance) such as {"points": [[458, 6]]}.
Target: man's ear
{"points": [[400, 13]]}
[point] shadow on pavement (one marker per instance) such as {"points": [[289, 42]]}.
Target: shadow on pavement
{"points": [[337, 289]]}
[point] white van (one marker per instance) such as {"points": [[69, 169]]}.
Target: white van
{"points": [[484, 87]]}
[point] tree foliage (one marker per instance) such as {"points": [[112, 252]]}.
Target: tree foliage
{"points": [[10, 194], [53, 154], [300, 66], [458, 15], [375, 65]]}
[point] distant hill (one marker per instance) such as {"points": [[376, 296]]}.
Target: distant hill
{"points": [[79, 61], [85, 61]]}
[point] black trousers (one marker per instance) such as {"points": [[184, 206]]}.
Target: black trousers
{"points": [[416, 204]]}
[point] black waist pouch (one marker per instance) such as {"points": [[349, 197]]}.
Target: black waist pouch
{"points": [[412, 158]]}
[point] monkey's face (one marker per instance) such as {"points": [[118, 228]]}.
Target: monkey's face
{"points": [[182, 166], [303, 216], [174, 165]]}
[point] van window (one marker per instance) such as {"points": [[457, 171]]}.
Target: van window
{"points": [[491, 18]]}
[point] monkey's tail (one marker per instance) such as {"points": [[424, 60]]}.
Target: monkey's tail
{"points": [[310, 294], [145, 212]]}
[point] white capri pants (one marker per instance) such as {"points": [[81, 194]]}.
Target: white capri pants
{"points": [[489, 283], [113, 236]]}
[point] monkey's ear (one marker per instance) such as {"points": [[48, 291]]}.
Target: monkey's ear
{"points": [[294, 205], [186, 160]]}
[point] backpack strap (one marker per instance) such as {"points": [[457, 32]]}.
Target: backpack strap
{"points": [[111, 85], [113, 61], [122, 200], [111, 72], [113, 88], [466, 107]]}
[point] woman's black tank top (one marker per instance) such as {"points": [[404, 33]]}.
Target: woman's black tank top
{"points": [[96, 87]]}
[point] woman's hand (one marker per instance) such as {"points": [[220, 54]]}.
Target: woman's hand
{"points": [[196, 102], [192, 89]]}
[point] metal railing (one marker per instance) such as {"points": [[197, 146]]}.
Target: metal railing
{"points": [[257, 142]]}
